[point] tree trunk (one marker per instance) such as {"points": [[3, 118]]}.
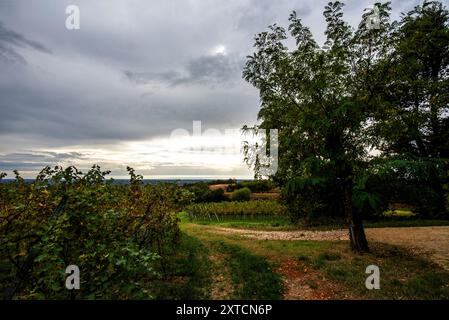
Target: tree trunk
{"points": [[356, 231]]}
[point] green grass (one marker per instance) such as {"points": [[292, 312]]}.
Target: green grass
{"points": [[189, 271], [402, 275], [322, 258], [251, 274], [186, 274]]}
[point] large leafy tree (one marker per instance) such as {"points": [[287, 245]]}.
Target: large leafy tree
{"points": [[417, 85], [320, 99], [412, 118]]}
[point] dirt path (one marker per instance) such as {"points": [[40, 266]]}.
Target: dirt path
{"points": [[430, 241], [331, 235], [221, 285], [303, 283]]}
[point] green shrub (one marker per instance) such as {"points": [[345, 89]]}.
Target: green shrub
{"points": [[241, 195], [202, 193], [216, 195], [222, 181], [118, 235], [254, 186]]}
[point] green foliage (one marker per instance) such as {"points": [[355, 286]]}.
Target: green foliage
{"points": [[248, 210], [254, 186], [412, 117], [370, 195], [117, 235], [311, 200], [447, 197], [243, 194], [216, 195], [222, 181], [412, 180], [202, 193]]}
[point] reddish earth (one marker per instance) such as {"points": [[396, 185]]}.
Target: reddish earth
{"points": [[302, 283], [218, 186]]}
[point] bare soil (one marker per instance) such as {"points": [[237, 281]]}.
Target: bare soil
{"points": [[221, 286], [302, 283], [432, 242]]}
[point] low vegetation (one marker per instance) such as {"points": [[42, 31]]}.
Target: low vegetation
{"points": [[235, 210], [118, 236], [243, 194], [257, 186]]}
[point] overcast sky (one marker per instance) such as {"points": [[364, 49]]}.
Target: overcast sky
{"points": [[112, 92]]}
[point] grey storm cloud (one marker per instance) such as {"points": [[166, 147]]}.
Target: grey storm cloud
{"points": [[147, 77], [218, 68], [41, 155], [10, 39], [35, 159], [208, 70]]}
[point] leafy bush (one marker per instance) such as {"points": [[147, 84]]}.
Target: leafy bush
{"points": [[202, 193], [249, 209], [118, 235], [241, 195], [216, 195], [254, 186], [222, 181]]}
